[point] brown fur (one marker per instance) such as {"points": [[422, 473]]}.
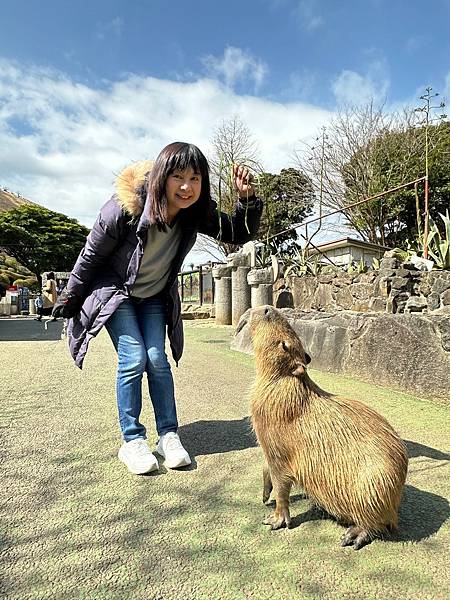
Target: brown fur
{"points": [[128, 184], [346, 456]]}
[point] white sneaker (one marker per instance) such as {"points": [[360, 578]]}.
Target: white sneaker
{"points": [[171, 449], [138, 458]]}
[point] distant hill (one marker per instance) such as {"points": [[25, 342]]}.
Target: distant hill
{"points": [[10, 270], [8, 201]]}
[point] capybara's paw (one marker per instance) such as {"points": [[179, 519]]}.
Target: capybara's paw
{"points": [[356, 536], [266, 498], [277, 520]]}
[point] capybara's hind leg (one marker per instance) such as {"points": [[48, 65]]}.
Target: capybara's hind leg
{"points": [[281, 516], [267, 484], [357, 537]]}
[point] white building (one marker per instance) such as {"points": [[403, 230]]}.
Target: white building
{"points": [[347, 250]]}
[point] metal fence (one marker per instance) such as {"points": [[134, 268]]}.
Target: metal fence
{"points": [[197, 286], [307, 235]]}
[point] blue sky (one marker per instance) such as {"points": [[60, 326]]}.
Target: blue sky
{"points": [[88, 86]]}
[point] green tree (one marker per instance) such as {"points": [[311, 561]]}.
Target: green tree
{"points": [[369, 151], [398, 156], [41, 239], [288, 199]]}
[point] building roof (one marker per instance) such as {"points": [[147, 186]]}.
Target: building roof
{"points": [[347, 242]]}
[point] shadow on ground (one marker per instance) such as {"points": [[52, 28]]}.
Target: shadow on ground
{"points": [[421, 515], [216, 437], [29, 330], [415, 450]]}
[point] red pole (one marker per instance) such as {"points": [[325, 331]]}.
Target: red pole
{"points": [[425, 233]]}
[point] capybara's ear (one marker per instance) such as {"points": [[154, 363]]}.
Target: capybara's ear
{"points": [[299, 370], [240, 326], [307, 358]]}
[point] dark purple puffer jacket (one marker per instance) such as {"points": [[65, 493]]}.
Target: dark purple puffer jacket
{"points": [[107, 267]]}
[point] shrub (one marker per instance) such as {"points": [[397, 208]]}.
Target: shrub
{"points": [[4, 278], [30, 282]]}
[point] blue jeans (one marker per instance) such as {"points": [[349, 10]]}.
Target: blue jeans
{"points": [[138, 331]]}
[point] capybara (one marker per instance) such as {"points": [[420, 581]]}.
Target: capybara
{"points": [[347, 457]]}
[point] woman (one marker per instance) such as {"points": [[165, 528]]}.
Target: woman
{"points": [[126, 279], [49, 297]]}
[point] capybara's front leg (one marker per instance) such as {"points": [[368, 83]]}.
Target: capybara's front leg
{"points": [[267, 484], [281, 516]]}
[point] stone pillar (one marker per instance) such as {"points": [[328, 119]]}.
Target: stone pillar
{"points": [[240, 290], [261, 286], [31, 307], [222, 295]]}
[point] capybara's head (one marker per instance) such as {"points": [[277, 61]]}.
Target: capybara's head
{"points": [[278, 349]]}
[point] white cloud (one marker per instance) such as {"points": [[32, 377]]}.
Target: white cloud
{"points": [[302, 84], [415, 43], [308, 15], [113, 27], [61, 143], [235, 66], [353, 88]]}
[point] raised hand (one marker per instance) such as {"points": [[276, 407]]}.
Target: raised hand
{"points": [[243, 181]]}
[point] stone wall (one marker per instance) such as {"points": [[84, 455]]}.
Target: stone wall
{"points": [[395, 288]]}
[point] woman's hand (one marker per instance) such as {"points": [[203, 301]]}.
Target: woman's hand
{"points": [[243, 181], [67, 305]]}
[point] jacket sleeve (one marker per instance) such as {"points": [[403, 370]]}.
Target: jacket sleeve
{"points": [[238, 228], [103, 238]]}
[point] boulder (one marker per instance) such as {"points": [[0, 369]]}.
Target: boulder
{"points": [[382, 286], [434, 301], [440, 285], [416, 304], [389, 263], [303, 290], [400, 283], [445, 298], [323, 297], [362, 291], [344, 297], [195, 311], [377, 304]]}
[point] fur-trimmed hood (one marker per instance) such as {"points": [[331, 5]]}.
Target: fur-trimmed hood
{"points": [[129, 184]]}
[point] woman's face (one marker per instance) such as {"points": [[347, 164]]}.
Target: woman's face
{"points": [[182, 190]]}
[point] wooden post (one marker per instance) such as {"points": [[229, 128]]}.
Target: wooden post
{"points": [[200, 284]]}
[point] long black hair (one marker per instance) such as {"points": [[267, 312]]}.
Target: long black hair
{"points": [[178, 156]]}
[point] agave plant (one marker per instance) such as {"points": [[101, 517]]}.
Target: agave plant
{"points": [[357, 267], [438, 245], [301, 264]]}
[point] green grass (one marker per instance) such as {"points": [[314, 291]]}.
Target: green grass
{"points": [[75, 524]]}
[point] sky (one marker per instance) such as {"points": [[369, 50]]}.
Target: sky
{"points": [[87, 87]]}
